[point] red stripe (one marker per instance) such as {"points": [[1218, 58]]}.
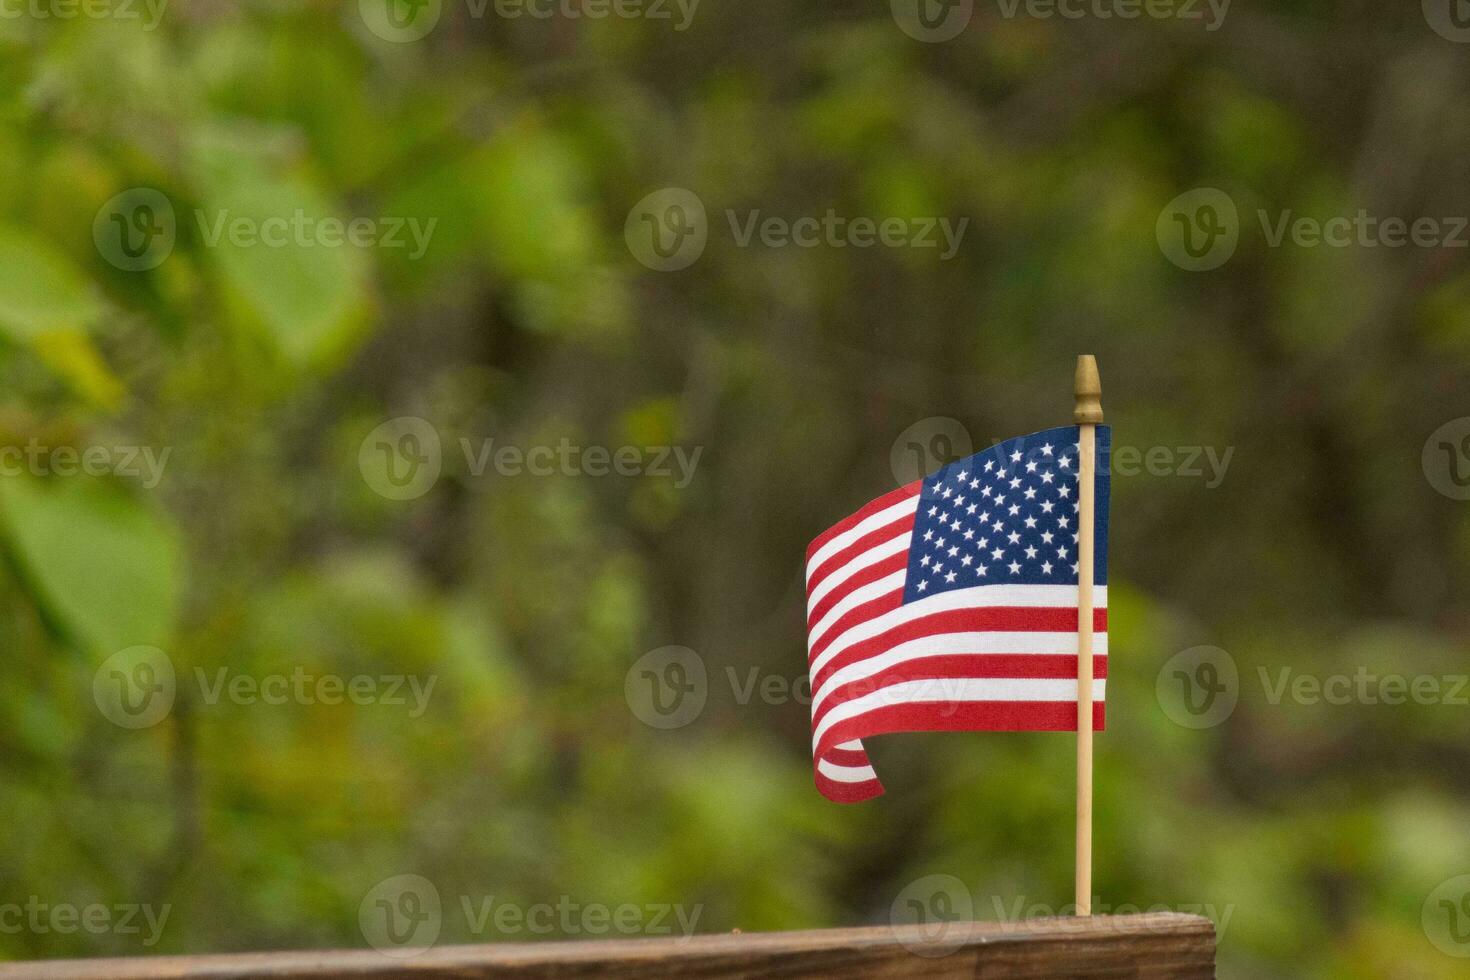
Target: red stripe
{"points": [[959, 667], [963, 716], [860, 613], [879, 569], [992, 716], [847, 792], [975, 619], [847, 757], [887, 500], [870, 540]]}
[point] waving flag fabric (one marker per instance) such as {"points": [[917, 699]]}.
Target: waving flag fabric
{"points": [[950, 604]]}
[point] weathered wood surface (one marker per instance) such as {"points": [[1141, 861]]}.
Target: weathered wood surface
{"points": [[1152, 945]]}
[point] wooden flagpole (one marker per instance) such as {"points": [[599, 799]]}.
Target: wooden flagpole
{"points": [[1087, 413]]}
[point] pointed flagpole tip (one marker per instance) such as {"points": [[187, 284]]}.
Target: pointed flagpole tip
{"points": [[1088, 391]]}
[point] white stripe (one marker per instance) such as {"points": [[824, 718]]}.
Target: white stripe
{"points": [[888, 584], [943, 644], [869, 524], [845, 774], [958, 690], [864, 560], [977, 597], [856, 745]]}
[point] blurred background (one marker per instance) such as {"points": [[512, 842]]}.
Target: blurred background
{"points": [[386, 387]]}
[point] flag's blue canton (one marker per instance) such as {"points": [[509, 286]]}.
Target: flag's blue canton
{"points": [[1007, 516]]}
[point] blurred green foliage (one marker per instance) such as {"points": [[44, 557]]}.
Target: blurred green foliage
{"points": [[263, 548]]}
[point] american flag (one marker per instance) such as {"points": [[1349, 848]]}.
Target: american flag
{"points": [[950, 604]]}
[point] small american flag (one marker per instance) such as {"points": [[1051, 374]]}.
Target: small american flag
{"points": [[950, 604]]}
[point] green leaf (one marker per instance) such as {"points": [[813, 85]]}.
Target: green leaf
{"points": [[104, 567], [288, 271], [40, 289], [288, 274], [531, 189]]}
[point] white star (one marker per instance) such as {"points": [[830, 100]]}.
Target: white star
{"points": [[949, 577], [997, 554], [1016, 456], [1046, 537], [998, 526], [970, 509], [1030, 522], [981, 569], [1061, 522], [954, 525], [947, 493], [1030, 493], [1030, 552], [1062, 551], [966, 561], [1046, 567], [984, 542], [985, 492], [1064, 463], [1047, 476], [939, 543], [1046, 506], [1046, 449], [1015, 509], [974, 484], [1015, 568], [984, 516], [959, 501], [988, 464], [1031, 466], [1000, 499], [969, 533], [964, 475], [1000, 474], [1074, 568], [932, 511], [923, 586], [1064, 491], [1013, 537], [1015, 482], [924, 561], [953, 550]]}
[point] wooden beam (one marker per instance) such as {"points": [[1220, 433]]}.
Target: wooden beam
{"points": [[1154, 946]]}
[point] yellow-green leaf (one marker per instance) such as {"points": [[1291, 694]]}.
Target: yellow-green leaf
{"points": [[104, 567], [40, 289]]}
